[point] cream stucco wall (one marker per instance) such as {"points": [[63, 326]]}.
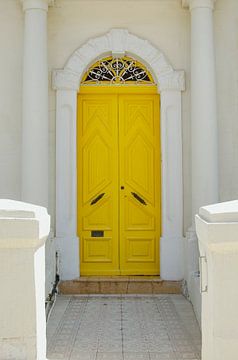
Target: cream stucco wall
{"points": [[226, 37], [167, 26], [11, 37], [164, 23]]}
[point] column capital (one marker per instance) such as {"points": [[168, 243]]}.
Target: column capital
{"points": [[196, 4], [36, 4]]}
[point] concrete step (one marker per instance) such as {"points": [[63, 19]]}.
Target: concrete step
{"points": [[119, 285]]}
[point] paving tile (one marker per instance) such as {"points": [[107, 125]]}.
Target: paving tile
{"points": [[162, 356], [136, 356], [156, 327], [83, 355], [109, 356]]}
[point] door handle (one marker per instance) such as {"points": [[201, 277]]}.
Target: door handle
{"points": [[137, 197], [94, 201]]}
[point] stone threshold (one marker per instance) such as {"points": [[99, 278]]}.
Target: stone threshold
{"points": [[119, 285]]}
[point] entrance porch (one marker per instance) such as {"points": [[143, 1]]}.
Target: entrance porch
{"points": [[123, 327]]}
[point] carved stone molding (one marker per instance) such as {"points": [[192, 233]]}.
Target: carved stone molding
{"points": [[67, 83], [36, 4], [65, 80], [193, 4], [176, 81], [118, 41]]}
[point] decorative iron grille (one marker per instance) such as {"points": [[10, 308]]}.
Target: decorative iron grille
{"points": [[125, 70]]}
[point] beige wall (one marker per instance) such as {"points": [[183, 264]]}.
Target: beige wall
{"points": [[11, 30], [166, 25], [163, 23], [226, 36]]}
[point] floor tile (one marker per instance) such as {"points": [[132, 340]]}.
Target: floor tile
{"points": [[109, 356], [131, 327], [83, 355], [162, 356], [136, 356]]}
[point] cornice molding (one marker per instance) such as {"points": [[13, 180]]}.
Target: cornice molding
{"points": [[118, 41], [195, 4], [36, 4]]}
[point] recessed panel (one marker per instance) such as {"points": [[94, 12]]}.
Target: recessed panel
{"points": [[96, 115], [99, 216], [139, 165], [140, 249], [140, 113], [97, 250], [137, 217], [96, 164]]}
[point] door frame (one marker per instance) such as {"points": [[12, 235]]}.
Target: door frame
{"points": [[170, 85], [118, 90]]}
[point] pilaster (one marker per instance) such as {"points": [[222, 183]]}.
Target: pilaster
{"points": [[195, 4], [35, 103], [36, 4], [203, 105]]}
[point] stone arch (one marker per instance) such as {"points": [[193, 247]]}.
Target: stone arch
{"points": [[119, 42], [170, 84]]}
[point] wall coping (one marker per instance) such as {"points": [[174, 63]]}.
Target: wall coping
{"points": [[221, 212], [22, 225]]}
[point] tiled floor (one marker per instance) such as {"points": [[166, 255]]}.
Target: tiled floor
{"points": [[135, 327]]}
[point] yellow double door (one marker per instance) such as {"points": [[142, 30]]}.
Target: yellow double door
{"points": [[118, 158]]}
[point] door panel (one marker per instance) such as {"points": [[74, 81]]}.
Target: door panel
{"points": [[118, 184], [140, 182], [98, 183]]}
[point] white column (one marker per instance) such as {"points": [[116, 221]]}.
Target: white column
{"points": [[35, 103], [171, 242], [66, 185], [203, 106]]}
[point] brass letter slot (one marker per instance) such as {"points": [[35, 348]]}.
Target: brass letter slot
{"points": [[97, 233]]}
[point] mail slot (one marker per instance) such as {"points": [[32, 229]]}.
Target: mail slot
{"points": [[97, 233]]}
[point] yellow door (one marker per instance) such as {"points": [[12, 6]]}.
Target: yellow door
{"points": [[118, 184], [98, 184], [140, 184]]}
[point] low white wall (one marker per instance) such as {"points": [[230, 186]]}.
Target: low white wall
{"points": [[217, 230], [50, 264], [23, 232], [192, 277]]}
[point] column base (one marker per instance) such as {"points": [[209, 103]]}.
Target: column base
{"points": [[171, 258], [68, 250], [192, 276]]}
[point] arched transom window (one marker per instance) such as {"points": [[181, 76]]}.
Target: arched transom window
{"points": [[116, 71]]}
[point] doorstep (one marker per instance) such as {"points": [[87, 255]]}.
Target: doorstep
{"points": [[119, 285]]}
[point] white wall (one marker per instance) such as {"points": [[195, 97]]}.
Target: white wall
{"points": [[11, 37], [226, 46], [163, 23], [226, 35], [11, 42], [166, 24]]}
